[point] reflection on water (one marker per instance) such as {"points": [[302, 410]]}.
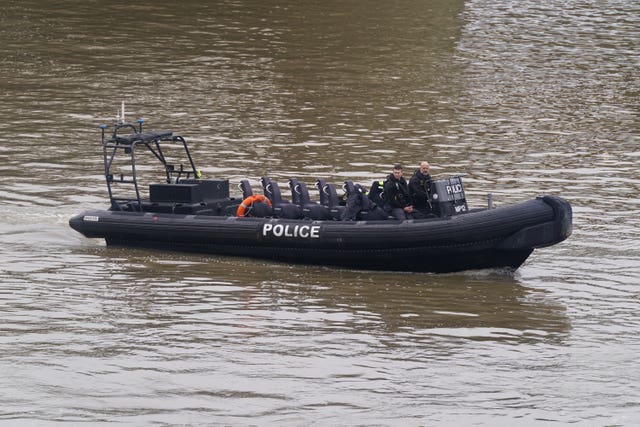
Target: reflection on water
{"points": [[383, 303], [172, 323], [523, 98]]}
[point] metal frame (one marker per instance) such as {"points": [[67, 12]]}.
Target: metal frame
{"points": [[127, 143]]}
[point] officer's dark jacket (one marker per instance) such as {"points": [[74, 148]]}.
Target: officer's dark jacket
{"points": [[420, 190], [396, 193]]}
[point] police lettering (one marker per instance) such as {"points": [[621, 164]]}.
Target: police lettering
{"points": [[288, 230], [454, 189]]}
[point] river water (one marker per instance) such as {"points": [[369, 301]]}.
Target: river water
{"points": [[524, 97]]}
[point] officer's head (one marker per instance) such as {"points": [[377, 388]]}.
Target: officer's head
{"points": [[397, 171], [424, 168]]}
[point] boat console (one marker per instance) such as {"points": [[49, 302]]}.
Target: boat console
{"points": [[447, 197]]}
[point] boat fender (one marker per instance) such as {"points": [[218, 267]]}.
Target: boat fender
{"points": [[247, 204]]}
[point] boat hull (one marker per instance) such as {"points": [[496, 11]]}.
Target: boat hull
{"points": [[496, 238]]}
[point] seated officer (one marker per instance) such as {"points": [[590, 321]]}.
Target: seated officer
{"points": [[420, 191], [397, 201]]}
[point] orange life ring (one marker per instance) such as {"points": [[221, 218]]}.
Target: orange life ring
{"points": [[249, 201]]}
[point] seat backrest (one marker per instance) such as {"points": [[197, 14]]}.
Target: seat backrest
{"points": [[375, 193], [281, 208], [328, 193], [271, 190], [299, 192], [324, 197], [294, 187], [245, 187]]}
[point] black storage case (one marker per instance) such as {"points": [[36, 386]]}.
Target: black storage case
{"points": [[211, 189], [176, 193]]}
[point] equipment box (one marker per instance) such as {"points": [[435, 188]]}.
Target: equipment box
{"points": [[177, 193], [211, 189], [447, 196]]}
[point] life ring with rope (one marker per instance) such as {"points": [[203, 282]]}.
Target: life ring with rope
{"points": [[247, 203]]}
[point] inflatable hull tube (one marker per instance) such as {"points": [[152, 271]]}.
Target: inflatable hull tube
{"points": [[495, 238]]}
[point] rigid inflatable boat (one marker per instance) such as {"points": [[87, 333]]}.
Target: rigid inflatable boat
{"points": [[182, 211]]}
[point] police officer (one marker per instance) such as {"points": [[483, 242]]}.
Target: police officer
{"points": [[397, 200], [420, 190]]}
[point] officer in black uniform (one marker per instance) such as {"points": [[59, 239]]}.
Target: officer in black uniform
{"points": [[420, 191], [397, 200]]}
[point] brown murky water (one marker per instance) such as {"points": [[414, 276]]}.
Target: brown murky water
{"points": [[525, 98]]}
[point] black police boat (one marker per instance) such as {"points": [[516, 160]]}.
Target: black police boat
{"points": [[179, 210]]}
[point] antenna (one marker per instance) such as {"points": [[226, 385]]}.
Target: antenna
{"points": [[120, 118]]}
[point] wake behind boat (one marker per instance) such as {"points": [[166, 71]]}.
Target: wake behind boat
{"points": [[181, 211]]}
